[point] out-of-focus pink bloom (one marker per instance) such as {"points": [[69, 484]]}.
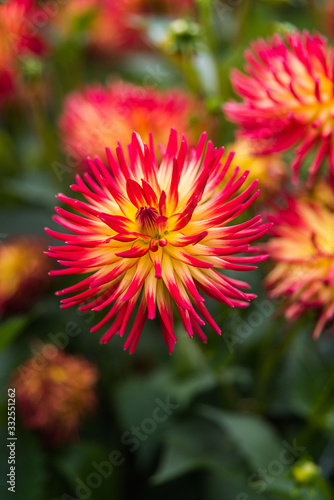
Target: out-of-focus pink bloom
{"points": [[302, 248], [100, 116], [288, 99], [156, 233]]}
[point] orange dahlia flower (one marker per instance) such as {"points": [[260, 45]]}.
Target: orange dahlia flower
{"points": [[156, 233], [302, 247], [23, 273], [288, 98], [100, 115], [54, 392], [19, 37]]}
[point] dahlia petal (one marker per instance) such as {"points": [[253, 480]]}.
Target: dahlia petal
{"points": [[142, 270], [182, 240], [135, 193], [113, 330], [137, 250], [172, 286], [133, 338], [162, 204], [129, 310], [156, 259], [150, 293], [187, 258], [165, 308], [151, 197], [117, 223]]}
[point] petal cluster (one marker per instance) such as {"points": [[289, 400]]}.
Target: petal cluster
{"points": [[23, 273], [54, 392], [158, 234], [288, 98], [100, 115], [302, 248]]}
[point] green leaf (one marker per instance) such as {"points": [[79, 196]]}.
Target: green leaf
{"points": [[194, 444], [11, 328], [253, 436], [87, 467]]}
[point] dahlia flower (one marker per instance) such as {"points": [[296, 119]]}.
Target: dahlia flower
{"points": [[302, 248], [155, 234], [19, 37], [23, 273], [54, 392], [100, 115], [288, 98], [269, 170]]}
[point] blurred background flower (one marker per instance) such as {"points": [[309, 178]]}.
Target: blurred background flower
{"points": [[302, 247], [23, 273], [287, 94], [55, 392], [98, 116]]}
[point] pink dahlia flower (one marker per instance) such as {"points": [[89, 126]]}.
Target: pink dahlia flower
{"points": [[54, 393], [100, 115], [19, 37], [302, 248], [157, 234], [288, 98]]}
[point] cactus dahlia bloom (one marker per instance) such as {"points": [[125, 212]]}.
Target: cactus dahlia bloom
{"points": [[157, 234], [302, 247], [23, 273], [54, 393], [288, 98], [100, 115], [18, 38]]}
